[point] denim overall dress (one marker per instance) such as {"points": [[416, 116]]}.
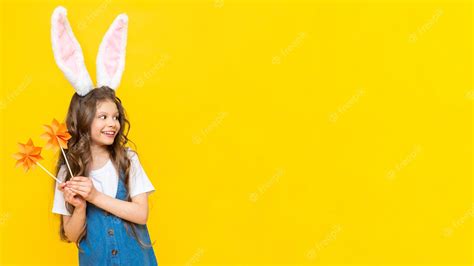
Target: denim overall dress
{"points": [[107, 241]]}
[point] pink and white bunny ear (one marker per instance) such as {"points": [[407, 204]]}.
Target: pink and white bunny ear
{"points": [[111, 56], [68, 52]]}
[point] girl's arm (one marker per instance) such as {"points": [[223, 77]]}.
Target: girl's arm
{"points": [[135, 211], [74, 224]]}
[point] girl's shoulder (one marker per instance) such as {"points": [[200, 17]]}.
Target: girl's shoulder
{"points": [[134, 158], [132, 154]]}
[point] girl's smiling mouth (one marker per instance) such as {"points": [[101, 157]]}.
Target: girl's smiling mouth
{"points": [[109, 133]]}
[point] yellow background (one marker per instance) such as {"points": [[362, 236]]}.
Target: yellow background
{"points": [[291, 132]]}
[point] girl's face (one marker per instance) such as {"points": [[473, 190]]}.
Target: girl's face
{"points": [[105, 125]]}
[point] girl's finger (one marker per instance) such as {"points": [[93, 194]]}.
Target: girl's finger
{"points": [[79, 192], [79, 178], [68, 197], [68, 192], [80, 188], [80, 184], [76, 183]]}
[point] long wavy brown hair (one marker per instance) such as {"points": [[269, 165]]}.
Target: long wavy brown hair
{"points": [[81, 113]]}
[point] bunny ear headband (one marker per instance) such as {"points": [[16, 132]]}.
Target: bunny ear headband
{"points": [[68, 53]]}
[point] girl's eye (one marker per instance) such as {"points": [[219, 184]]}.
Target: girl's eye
{"points": [[105, 117]]}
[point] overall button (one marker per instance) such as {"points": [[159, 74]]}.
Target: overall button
{"points": [[114, 252], [110, 232]]}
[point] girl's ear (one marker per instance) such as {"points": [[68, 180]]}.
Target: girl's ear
{"points": [[111, 56], [68, 52]]}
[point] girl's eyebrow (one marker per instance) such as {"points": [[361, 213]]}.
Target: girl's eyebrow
{"points": [[103, 112]]}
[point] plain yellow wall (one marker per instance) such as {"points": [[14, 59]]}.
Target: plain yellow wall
{"points": [[274, 131]]}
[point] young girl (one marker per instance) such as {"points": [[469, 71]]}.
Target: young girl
{"points": [[104, 206]]}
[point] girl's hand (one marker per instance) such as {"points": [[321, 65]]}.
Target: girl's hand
{"points": [[74, 199], [61, 186], [82, 186]]}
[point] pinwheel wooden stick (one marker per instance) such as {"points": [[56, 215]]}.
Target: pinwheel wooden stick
{"points": [[67, 162], [48, 172]]}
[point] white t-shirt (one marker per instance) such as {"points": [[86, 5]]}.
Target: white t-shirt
{"points": [[105, 180]]}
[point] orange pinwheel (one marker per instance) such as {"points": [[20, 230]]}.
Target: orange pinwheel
{"points": [[56, 135], [28, 156]]}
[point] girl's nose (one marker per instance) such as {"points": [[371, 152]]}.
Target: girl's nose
{"points": [[111, 122]]}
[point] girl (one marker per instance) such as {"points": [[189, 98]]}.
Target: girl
{"points": [[104, 206]]}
